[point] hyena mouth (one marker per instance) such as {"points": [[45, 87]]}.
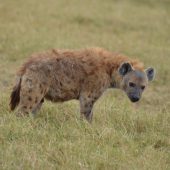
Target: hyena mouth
{"points": [[135, 100]]}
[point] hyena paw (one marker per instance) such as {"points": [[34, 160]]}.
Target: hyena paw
{"points": [[22, 114]]}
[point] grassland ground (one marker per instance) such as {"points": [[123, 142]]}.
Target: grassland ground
{"points": [[123, 135]]}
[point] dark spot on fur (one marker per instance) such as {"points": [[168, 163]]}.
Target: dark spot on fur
{"points": [[30, 107], [40, 86], [91, 64], [29, 98], [36, 99], [90, 105], [30, 90], [89, 96], [48, 70], [25, 107], [86, 105], [29, 80], [44, 83], [61, 84], [67, 73], [95, 98], [81, 81], [42, 91]]}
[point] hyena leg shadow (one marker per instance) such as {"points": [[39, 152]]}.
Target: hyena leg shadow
{"points": [[31, 95]]}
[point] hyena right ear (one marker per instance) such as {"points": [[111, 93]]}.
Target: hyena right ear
{"points": [[125, 68]]}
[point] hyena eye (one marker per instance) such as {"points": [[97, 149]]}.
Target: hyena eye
{"points": [[132, 84], [142, 87]]}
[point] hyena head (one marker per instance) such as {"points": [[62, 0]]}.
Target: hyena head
{"points": [[134, 81]]}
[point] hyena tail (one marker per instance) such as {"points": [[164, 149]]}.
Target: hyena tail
{"points": [[15, 95]]}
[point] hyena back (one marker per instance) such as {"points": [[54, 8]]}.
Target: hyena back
{"points": [[62, 75]]}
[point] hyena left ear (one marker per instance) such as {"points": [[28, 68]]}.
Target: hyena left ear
{"points": [[125, 68], [150, 72]]}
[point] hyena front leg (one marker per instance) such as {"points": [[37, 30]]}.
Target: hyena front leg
{"points": [[86, 108], [31, 96]]}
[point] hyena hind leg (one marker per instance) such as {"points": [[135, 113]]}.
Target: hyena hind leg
{"points": [[31, 98], [29, 107], [38, 107]]}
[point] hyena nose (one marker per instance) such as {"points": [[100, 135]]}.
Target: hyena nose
{"points": [[134, 98]]}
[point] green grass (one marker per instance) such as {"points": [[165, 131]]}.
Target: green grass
{"points": [[122, 135]]}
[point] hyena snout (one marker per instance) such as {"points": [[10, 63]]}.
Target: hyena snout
{"points": [[134, 97]]}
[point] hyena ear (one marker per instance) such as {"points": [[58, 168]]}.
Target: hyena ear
{"points": [[150, 72], [125, 68]]}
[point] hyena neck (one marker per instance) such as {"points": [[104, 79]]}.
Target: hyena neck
{"points": [[115, 81], [113, 84]]}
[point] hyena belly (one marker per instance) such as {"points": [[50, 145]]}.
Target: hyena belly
{"points": [[65, 82], [59, 94]]}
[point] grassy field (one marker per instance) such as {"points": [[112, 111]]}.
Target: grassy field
{"points": [[122, 135]]}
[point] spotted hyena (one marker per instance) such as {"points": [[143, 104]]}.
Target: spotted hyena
{"points": [[62, 75]]}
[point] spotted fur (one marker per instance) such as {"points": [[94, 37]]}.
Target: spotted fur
{"points": [[62, 75]]}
